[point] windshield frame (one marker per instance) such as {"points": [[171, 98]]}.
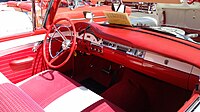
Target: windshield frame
{"points": [[47, 13], [50, 13]]}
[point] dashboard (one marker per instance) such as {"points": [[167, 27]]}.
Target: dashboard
{"points": [[152, 64]]}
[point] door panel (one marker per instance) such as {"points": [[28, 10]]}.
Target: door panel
{"points": [[16, 56], [18, 66], [12, 73]]}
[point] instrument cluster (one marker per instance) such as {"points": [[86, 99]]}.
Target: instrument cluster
{"points": [[97, 45], [126, 49]]}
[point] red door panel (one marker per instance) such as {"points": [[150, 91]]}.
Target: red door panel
{"points": [[18, 66]]}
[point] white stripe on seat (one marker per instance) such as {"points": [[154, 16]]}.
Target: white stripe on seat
{"points": [[75, 100], [26, 80], [4, 79]]}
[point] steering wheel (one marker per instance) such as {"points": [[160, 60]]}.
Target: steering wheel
{"points": [[67, 32]]}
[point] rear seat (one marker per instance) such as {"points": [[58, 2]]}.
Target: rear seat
{"points": [[12, 4], [24, 6], [54, 92]]}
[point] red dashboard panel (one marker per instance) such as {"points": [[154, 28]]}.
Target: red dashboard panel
{"points": [[172, 76], [156, 42], [166, 74], [162, 45]]}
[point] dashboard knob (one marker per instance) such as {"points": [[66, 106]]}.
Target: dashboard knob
{"points": [[166, 62]]}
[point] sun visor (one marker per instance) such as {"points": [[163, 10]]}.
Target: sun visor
{"points": [[155, 1]]}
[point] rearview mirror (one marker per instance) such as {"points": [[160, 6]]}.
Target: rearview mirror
{"points": [[119, 8], [88, 15]]}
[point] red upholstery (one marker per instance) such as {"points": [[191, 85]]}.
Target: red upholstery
{"points": [[52, 85], [46, 90], [25, 6], [127, 95], [12, 4], [48, 86], [103, 106], [13, 99]]}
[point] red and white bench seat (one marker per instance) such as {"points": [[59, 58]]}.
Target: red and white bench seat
{"points": [[54, 92]]}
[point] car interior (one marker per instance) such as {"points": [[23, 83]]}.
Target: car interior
{"points": [[87, 66]]}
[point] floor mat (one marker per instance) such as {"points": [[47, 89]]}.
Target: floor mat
{"points": [[127, 95], [93, 85]]}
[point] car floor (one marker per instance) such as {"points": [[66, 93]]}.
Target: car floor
{"points": [[128, 89]]}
